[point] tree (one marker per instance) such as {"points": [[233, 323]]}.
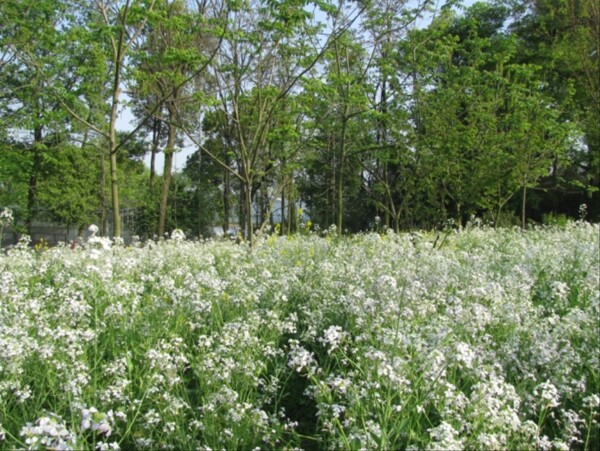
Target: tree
{"points": [[390, 164], [485, 116], [123, 22], [15, 165], [178, 47], [29, 72], [69, 189], [340, 108], [110, 29], [269, 47], [204, 188], [563, 38]]}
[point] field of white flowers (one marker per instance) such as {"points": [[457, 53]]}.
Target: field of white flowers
{"points": [[483, 339]]}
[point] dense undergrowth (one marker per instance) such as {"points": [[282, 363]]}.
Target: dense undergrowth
{"points": [[486, 339]]}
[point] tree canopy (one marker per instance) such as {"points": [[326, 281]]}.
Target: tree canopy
{"points": [[340, 111]]}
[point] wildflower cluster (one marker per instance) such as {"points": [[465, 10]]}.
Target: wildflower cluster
{"points": [[6, 217], [373, 341], [6, 220], [48, 432]]}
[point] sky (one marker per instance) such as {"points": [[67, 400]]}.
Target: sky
{"points": [[127, 122]]}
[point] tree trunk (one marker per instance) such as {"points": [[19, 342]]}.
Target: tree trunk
{"points": [[104, 213], [242, 209], [169, 151], [282, 228], [226, 200], [152, 168], [390, 199], [292, 216], [32, 191], [112, 148], [38, 138], [156, 131], [114, 182], [164, 198], [264, 203], [523, 205], [340, 179], [330, 190], [248, 206]]}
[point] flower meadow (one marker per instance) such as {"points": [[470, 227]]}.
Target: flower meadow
{"points": [[473, 339]]}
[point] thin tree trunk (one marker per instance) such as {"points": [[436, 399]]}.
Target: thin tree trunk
{"points": [[242, 209], [523, 205], [226, 200], [340, 179], [104, 213], [152, 168], [167, 176], [330, 189], [156, 131], [112, 148], [248, 206], [164, 198], [342, 156], [198, 196], [282, 222], [114, 182], [33, 178], [292, 215], [390, 200]]}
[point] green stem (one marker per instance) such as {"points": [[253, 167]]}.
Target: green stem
{"points": [[8, 434], [589, 429], [137, 414]]}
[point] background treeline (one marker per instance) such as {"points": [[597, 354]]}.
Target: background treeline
{"points": [[352, 109]]}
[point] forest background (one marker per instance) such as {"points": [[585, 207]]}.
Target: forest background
{"points": [[368, 114]]}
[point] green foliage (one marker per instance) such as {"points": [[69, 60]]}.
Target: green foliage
{"points": [[553, 219], [15, 164], [69, 189], [562, 38], [356, 109]]}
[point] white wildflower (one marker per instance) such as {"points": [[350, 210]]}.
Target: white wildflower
{"points": [[559, 445], [444, 437], [385, 284], [103, 446], [592, 401], [333, 337], [50, 432], [560, 290], [99, 242], [300, 358], [340, 384], [177, 235], [464, 354], [548, 394], [6, 217], [544, 443], [97, 421]]}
